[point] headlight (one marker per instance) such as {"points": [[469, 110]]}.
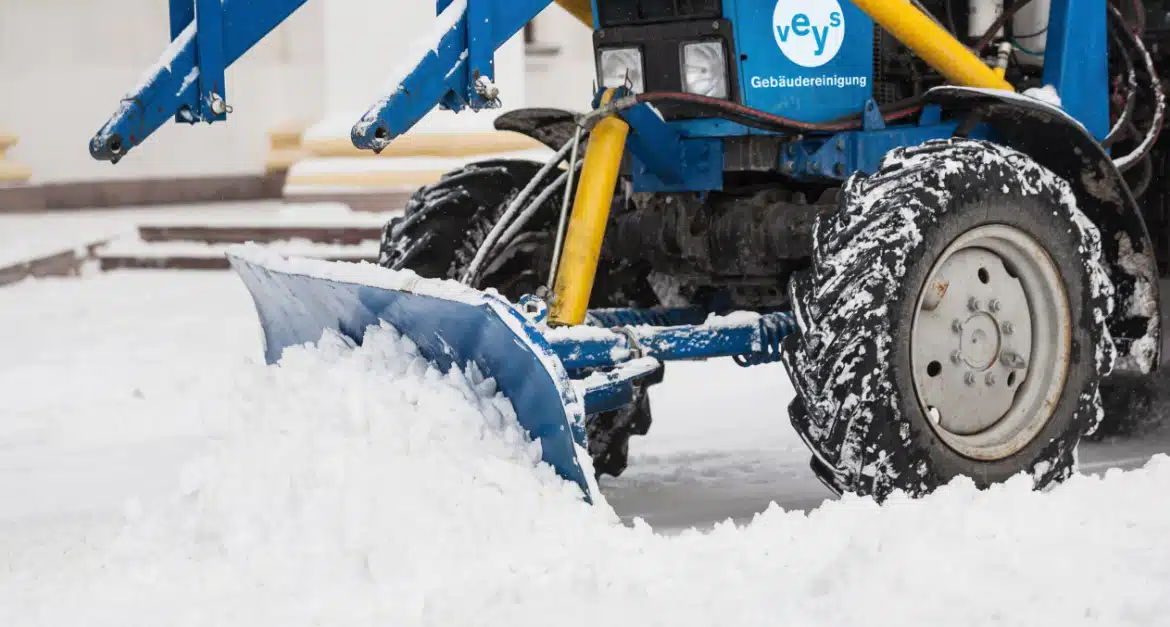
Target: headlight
{"points": [[621, 64], [704, 69]]}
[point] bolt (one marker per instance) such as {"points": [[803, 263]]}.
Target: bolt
{"points": [[973, 304], [993, 305], [957, 325], [1008, 328], [840, 143], [1013, 360], [839, 169], [956, 357], [218, 106], [989, 379], [969, 378], [715, 25]]}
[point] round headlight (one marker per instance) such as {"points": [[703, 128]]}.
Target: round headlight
{"points": [[619, 65], [705, 69]]}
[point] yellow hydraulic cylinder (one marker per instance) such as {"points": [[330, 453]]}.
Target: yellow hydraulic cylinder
{"points": [[933, 43], [580, 9], [582, 248]]}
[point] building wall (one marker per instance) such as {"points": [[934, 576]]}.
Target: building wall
{"points": [[563, 79], [65, 64]]}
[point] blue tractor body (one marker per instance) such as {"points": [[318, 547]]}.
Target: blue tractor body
{"points": [[791, 94]]}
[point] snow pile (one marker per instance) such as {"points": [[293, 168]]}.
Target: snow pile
{"points": [[361, 487]]}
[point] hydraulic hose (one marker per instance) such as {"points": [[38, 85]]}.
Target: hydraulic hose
{"points": [[763, 120]]}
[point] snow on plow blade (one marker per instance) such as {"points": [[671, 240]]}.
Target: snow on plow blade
{"points": [[300, 299]]}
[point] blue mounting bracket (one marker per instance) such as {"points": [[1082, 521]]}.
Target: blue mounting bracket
{"points": [[456, 69], [209, 41], [662, 160], [1076, 61], [854, 151], [185, 83]]}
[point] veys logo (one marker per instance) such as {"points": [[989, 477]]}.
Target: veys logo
{"points": [[809, 32]]}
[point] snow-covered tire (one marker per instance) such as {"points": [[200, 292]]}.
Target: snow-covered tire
{"points": [[858, 405], [1134, 406], [443, 224], [440, 232]]}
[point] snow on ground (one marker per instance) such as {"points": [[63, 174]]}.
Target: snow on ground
{"points": [[154, 472]]}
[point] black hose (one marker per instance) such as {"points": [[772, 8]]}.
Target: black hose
{"points": [[1123, 118], [763, 120], [1143, 149]]}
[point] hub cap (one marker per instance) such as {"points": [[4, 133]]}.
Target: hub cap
{"points": [[990, 342]]}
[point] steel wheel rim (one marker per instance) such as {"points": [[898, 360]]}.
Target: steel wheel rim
{"points": [[990, 342]]}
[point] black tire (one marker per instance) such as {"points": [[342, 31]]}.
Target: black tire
{"points": [[1134, 406], [441, 230], [856, 404]]}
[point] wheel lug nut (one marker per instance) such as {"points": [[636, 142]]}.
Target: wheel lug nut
{"points": [[957, 325], [1008, 328], [969, 378], [956, 357], [1013, 360], [989, 379], [993, 305], [973, 304]]}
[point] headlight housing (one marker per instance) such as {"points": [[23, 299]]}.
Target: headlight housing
{"points": [[704, 69], [618, 65]]}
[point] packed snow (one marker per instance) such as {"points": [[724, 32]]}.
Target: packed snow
{"points": [[358, 486]]}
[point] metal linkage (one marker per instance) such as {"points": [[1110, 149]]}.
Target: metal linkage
{"points": [[659, 317], [773, 329], [749, 337]]}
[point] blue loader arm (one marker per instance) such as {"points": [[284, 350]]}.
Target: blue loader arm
{"points": [[453, 66]]}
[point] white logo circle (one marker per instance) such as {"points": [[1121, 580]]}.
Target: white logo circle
{"points": [[809, 32]]}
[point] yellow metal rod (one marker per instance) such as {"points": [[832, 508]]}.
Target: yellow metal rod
{"points": [[578, 264], [933, 43]]}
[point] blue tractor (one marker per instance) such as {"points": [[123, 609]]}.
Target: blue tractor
{"points": [[938, 214]]}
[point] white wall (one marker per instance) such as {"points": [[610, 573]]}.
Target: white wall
{"points": [[565, 80], [65, 64]]}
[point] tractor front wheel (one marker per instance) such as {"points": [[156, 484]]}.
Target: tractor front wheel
{"points": [[952, 324]]}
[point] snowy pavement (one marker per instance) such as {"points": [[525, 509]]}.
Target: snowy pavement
{"points": [[154, 472]]}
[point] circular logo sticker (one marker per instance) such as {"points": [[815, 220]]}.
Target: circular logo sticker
{"points": [[809, 32]]}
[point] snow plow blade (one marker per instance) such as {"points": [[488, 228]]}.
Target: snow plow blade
{"points": [[298, 300]]}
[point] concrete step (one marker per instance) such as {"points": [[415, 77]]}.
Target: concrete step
{"points": [[139, 253], [232, 234]]}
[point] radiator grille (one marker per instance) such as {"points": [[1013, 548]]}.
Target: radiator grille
{"points": [[629, 12]]}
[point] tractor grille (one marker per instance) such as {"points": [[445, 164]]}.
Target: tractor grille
{"points": [[630, 12]]}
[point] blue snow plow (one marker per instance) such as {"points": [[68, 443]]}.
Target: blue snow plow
{"points": [[299, 300]]}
